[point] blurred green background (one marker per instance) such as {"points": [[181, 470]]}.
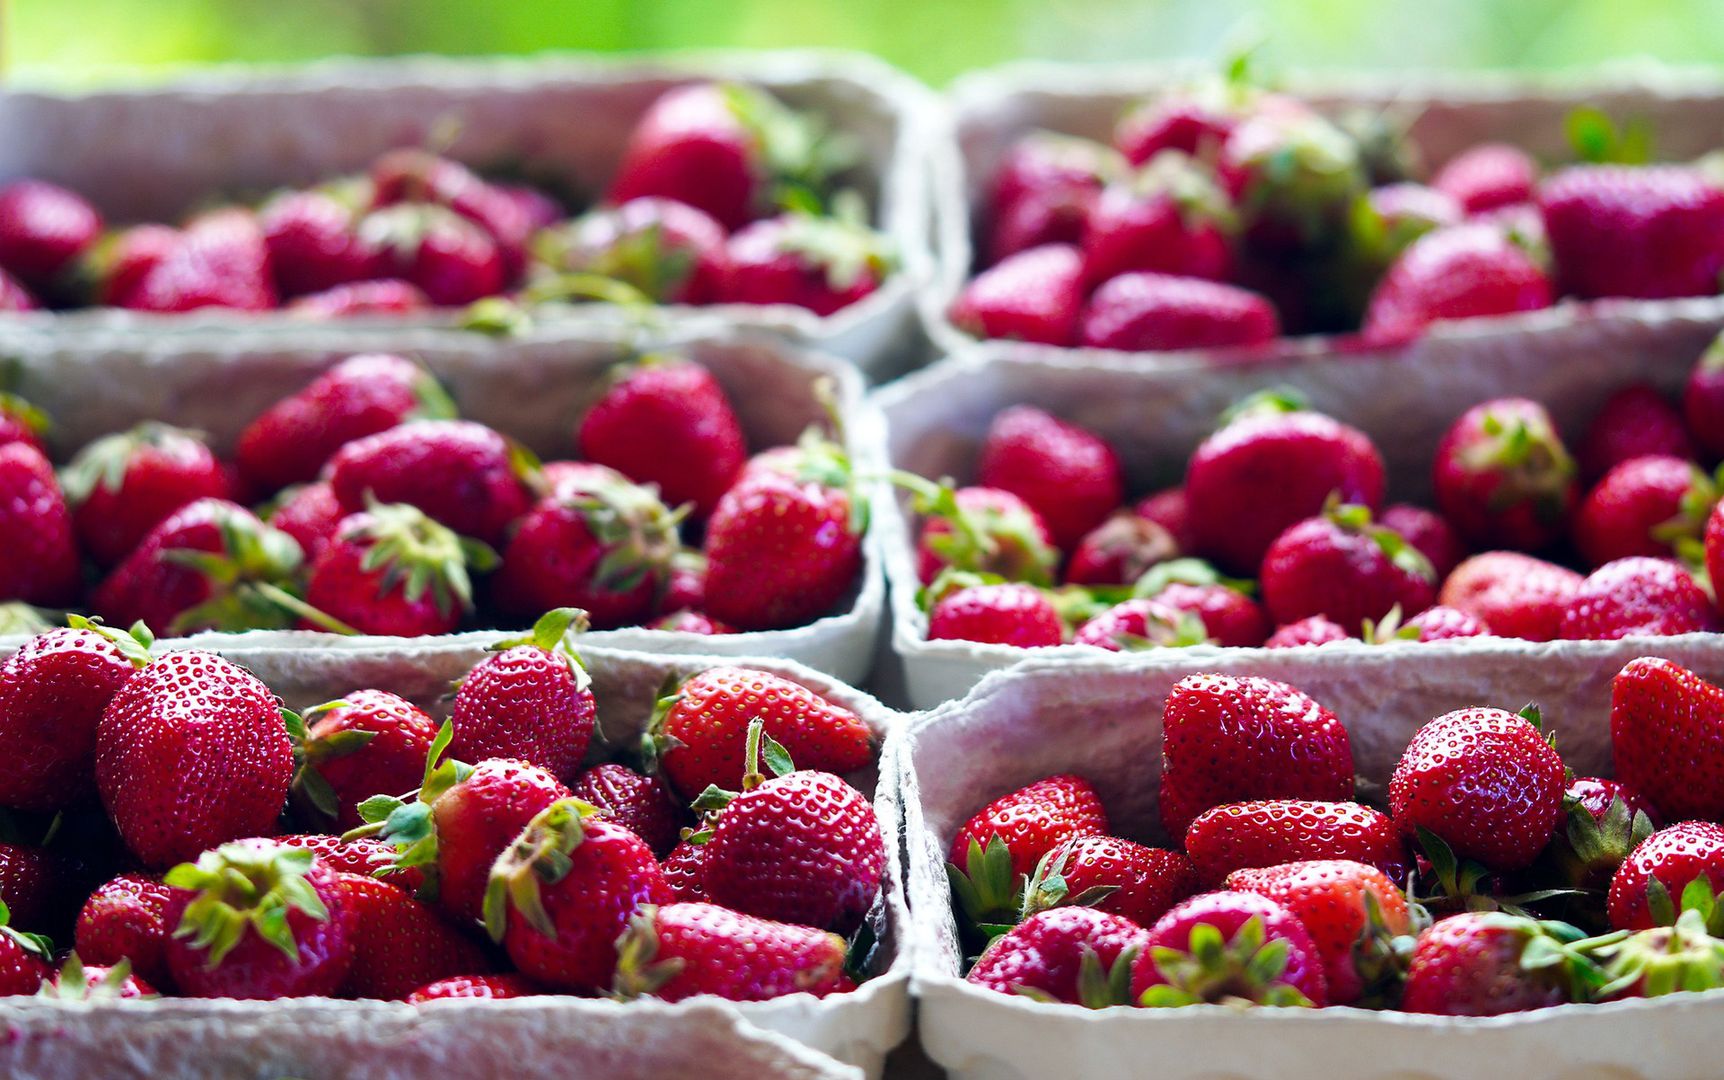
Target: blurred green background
{"points": [[78, 41]]}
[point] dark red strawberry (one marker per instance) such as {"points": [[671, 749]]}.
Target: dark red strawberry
{"points": [[310, 514], [1043, 191], [77, 981], [1145, 312], [1427, 531], [24, 959], [1488, 176], [1329, 898], [44, 229], [1007, 613], [1703, 400], [667, 251], [220, 260], [369, 742], [531, 699], [1462, 272], [126, 919], [1113, 875], [463, 474], [1270, 832], [313, 243], [385, 296], [1031, 822], [36, 886], [1673, 857], [685, 872], [1137, 624], [1667, 738], [393, 571], [643, 804], [1316, 630], [122, 486], [822, 264], [683, 950], [1644, 506], [1633, 422], [1343, 566], [1169, 218], [1713, 549], [1489, 963], [451, 259], [1068, 475], [1193, 119], [1120, 550], [1515, 595], [981, 530], [1634, 231], [1637, 597], [1503, 477], [1229, 948], [400, 944], [121, 263], [1074, 955], [468, 987], [1032, 295]]}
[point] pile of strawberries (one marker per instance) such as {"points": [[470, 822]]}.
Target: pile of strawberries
{"points": [[1496, 882], [1295, 500], [1225, 215], [197, 844], [379, 512], [723, 195]]}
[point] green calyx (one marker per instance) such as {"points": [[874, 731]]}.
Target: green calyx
{"points": [[1273, 402], [405, 822], [252, 554], [989, 894], [1598, 140], [1098, 986], [1046, 887], [1308, 178], [1381, 956], [656, 742], [1388, 629], [419, 556], [1533, 465], [1186, 571], [983, 540], [1663, 960], [640, 973], [1190, 187], [103, 463], [847, 251], [36, 945], [758, 747], [309, 787], [540, 855], [19, 618], [799, 153], [1464, 885], [74, 985], [1588, 849], [1697, 898], [1354, 518], [432, 401], [1686, 529], [1554, 953], [245, 887], [134, 644], [1180, 631], [1243, 970], [556, 632], [637, 530], [637, 266], [34, 420]]}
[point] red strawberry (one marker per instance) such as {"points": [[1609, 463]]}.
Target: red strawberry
{"points": [[685, 872], [1043, 191], [1194, 119], [1644, 506], [1462, 272], [53, 691], [1144, 312], [220, 260], [1031, 822], [1168, 509], [78, 982], [1444, 624], [1713, 547], [400, 944], [1667, 738], [665, 420], [1503, 476], [1137, 624], [1595, 794], [310, 514], [642, 804], [1229, 947], [1169, 218], [1009, 613], [15, 297], [1120, 550], [360, 396], [362, 855], [253, 919], [667, 251], [1269, 466], [1427, 531], [1515, 595], [24, 960], [22, 422], [410, 175], [34, 885], [1703, 400], [1136, 882], [1637, 597], [1032, 295], [1328, 897], [1074, 955], [369, 742], [564, 891], [1068, 475], [122, 263], [1486, 964], [1674, 857], [1633, 422], [1280, 745], [393, 571], [981, 530], [463, 474], [1316, 630], [44, 229], [467, 987], [385, 296], [685, 621], [682, 950], [1603, 822], [1634, 231], [1293, 174], [1343, 566], [1488, 176], [699, 733], [122, 486], [313, 244], [822, 264], [452, 260], [126, 919], [531, 699], [1269, 832], [1229, 616]]}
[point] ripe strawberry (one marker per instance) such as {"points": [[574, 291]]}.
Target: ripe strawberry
{"points": [[44, 230], [981, 530], [1031, 822], [1194, 119], [398, 943], [1594, 794], [1280, 745], [1488, 176], [35, 885], [561, 895], [449, 258], [463, 474], [1074, 955], [1427, 531], [667, 251], [1007, 613], [1137, 624], [1068, 475], [1229, 948], [1444, 624], [685, 872], [665, 420], [36, 529], [126, 919], [1503, 476], [1633, 422], [220, 260], [1515, 595], [1033, 295], [369, 742], [467, 987], [79, 982], [642, 804], [1271, 465], [313, 244], [1043, 191], [1316, 630], [1328, 897], [682, 950], [362, 395], [1634, 231], [1667, 738], [393, 571], [410, 175], [1293, 175], [24, 959], [120, 264], [122, 486], [1408, 211], [311, 514], [1112, 875], [1462, 272], [1637, 597], [1703, 400], [1713, 547], [1269, 832], [685, 621], [699, 732], [362, 855], [1489, 963], [1343, 566], [822, 264], [53, 691], [1120, 550], [1603, 822], [1644, 506], [1145, 312], [531, 699], [15, 297], [384, 296], [1674, 858], [22, 422], [253, 919], [1170, 218]]}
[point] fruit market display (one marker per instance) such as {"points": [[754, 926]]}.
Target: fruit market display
{"points": [[181, 834], [1224, 215], [723, 195], [1487, 879], [1283, 534], [363, 504]]}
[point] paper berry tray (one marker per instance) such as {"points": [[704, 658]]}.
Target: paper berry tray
{"points": [[153, 151], [1103, 721]]}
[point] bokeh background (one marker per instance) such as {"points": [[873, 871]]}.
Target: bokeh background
{"points": [[79, 41]]}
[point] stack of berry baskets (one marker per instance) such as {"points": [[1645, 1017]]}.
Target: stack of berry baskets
{"points": [[1117, 863], [1189, 216], [397, 858], [782, 191], [719, 503]]}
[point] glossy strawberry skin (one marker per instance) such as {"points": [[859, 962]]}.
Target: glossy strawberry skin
{"points": [[136, 251], [1488, 176], [1147, 881], [685, 872], [1270, 832], [480, 817], [191, 752], [1465, 966], [452, 260], [391, 763], [363, 855], [1316, 630], [1068, 475], [780, 552], [34, 884], [220, 260], [400, 944], [642, 804], [1667, 738], [1322, 567], [1009, 613], [311, 515], [1633, 422], [1637, 596], [1675, 856], [528, 703], [53, 692], [1228, 912], [1447, 624], [691, 146], [1180, 120], [1645, 232], [1034, 295], [668, 423], [1427, 531], [1119, 551], [470, 987], [126, 918], [414, 175], [1229, 616], [1596, 794], [313, 244], [1147, 312], [21, 972], [1045, 951], [1034, 820], [1327, 896], [742, 958], [458, 472], [1462, 272], [1506, 502], [164, 469], [1515, 595], [1281, 745], [1618, 517]]}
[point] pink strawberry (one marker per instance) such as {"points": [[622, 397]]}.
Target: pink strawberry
{"points": [[369, 742], [1486, 964], [1515, 595], [122, 486], [385, 296], [642, 804], [1008, 613], [44, 230], [1674, 858], [683, 950], [1488, 176], [1169, 218], [220, 260], [1074, 955], [1427, 531], [1145, 312], [1633, 422], [530, 700], [1343, 566], [1445, 624], [126, 919], [1229, 947], [312, 242], [463, 474], [1462, 272], [393, 571], [1703, 400], [1503, 476], [1644, 506], [451, 259], [684, 621], [1033, 295], [1649, 232], [822, 264], [1120, 550], [36, 530], [982, 530], [1068, 475], [1316, 630], [1270, 832], [668, 251], [1667, 738], [1329, 898], [1140, 883], [1637, 596], [1137, 624], [311, 514], [53, 692]]}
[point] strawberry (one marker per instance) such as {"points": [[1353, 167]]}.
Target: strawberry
{"points": [[1489, 964], [1029, 823], [1712, 547], [667, 251], [1703, 399], [1195, 119], [1637, 597], [1488, 176], [981, 530], [563, 892], [313, 244], [1168, 509], [665, 420], [35, 883], [210, 565], [1634, 231], [1461, 272], [1515, 595], [1112, 875], [1293, 175], [121, 263], [22, 422], [1342, 904], [467, 987], [1503, 477], [369, 742], [360, 396], [53, 692], [1673, 858], [682, 950], [684, 621], [1594, 794], [1603, 822], [1033, 295], [1269, 832], [1633, 422], [1408, 211], [1229, 615], [1316, 630], [822, 264], [253, 919], [24, 959], [1074, 955], [1120, 550], [410, 175], [1667, 738], [642, 804], [125, 919], [400, 944], [1145, 312], [44, 230], [362, 855], [1229, 948], [1170, 218], [462, 474], [14, 296], [220, 260], [685, 872], [698, 734], [1043, 191], [1068, 475], [1645, 506], [78, 982], [1137, 624], [1343, 566], [311, 514], [122, 486], [1427, 531], [393, 571], [384, 296], [1280, 745], [1663, 960], [1271, 465], [449, 258], [1006, 613], [531, 700], [36, 528], [1441, 623]]}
